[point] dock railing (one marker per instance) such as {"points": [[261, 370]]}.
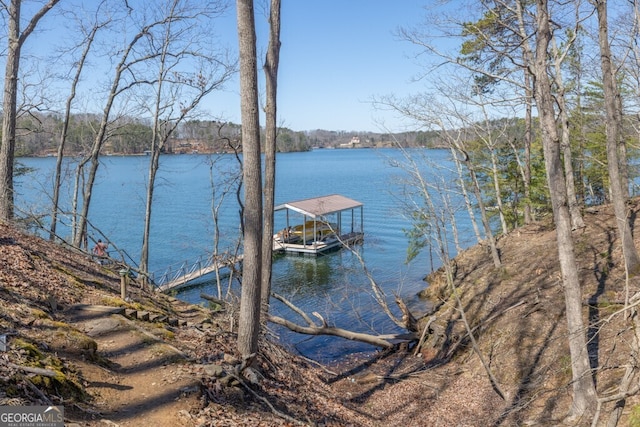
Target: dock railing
{"points": [[183, 272]]}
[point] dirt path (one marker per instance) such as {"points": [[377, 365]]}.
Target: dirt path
{"points": [[144, 382]]}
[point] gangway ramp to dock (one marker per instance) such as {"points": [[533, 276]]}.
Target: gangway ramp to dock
{"points": [[181, 274]]}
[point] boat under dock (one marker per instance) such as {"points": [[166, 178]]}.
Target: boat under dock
{"points": [[327, 223], [318, 247]]}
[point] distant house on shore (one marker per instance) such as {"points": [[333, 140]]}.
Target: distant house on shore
{"points": [[355, 142]]}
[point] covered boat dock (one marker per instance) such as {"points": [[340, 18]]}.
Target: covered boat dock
{"points": [[317, 225]]}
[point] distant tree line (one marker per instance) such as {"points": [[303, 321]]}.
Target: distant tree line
{"points": [[37, 136]]}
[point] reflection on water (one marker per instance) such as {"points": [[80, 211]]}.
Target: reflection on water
{"points": [[304, 275]]}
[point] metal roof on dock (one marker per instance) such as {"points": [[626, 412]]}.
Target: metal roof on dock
{"points": [[320, 206]]}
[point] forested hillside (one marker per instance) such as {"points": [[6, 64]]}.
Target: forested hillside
{"points": [[38, 136]]}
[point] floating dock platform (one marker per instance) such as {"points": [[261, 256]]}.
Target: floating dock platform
{"points": [[326, 223]]}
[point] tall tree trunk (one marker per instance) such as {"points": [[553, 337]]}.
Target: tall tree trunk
{"points": [[59, 158], [63, 133], [528, 126], [176, 93], [78, 184], [584, 394], [483, 212], [622, 150], [154, 164], [80, 231], [80, 234], [9, 112], [529, 82], [496, 187], [465, 194], [249, 320], [15, 41], [271, 77], [574, 208], [613, 122], [154, 161]]}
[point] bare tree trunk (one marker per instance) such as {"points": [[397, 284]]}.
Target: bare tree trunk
{"points": [[15, 41], [215, 215], [154, 161], [496, 188], [529, 83], [271, 77], [611, 95], [77, 185], [483, 212], [123, 66], [528, 126], [230, 180], [176, 93], [9, 113], [465, 194], [65, 127], [93, 158], [81, 232], [525, 174], [622, 151], [236, 148], [577, 221], [249, 320], [584, 393], [338, 332]]}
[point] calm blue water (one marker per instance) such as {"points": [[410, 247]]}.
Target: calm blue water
{"points": [[334, 285]]}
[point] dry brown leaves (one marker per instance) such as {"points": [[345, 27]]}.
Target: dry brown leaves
{"points": [[445, 387]]}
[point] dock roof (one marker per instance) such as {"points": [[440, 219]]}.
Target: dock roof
{"points": [[319, 206]]}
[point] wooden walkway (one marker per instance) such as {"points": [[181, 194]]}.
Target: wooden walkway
{"points": [[188, 272], [182, 274]]}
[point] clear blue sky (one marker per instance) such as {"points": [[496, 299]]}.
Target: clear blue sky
{"points": [[335, 56]]}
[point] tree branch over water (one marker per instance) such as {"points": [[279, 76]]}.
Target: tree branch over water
{"points": [[384, 341]]}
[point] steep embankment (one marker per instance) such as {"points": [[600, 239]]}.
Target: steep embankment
{"points": [[517, 313], [149, 360], [73, 342]]}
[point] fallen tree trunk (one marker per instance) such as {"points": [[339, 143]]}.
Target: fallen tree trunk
{"points": [[339, 332], [384, 341], [38, 371], [213, 299]]}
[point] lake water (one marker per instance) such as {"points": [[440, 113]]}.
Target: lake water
{"points": [[333, 285]]}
